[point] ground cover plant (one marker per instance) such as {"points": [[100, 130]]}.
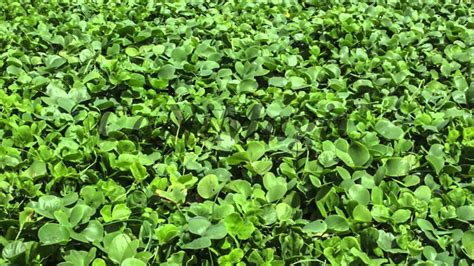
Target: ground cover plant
{"points": [[236, 132]]}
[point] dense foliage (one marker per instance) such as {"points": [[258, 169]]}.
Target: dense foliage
{"points": [[244, 132]]}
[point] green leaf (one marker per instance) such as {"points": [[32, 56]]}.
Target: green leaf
{"points": [[199, 243], [359, 154], [436, 162], [122, 247], [238, 158], [166, 72], [208, 186], [13, 249], [362, 83], [359, 194], [337, 223], [54, 61], [283, 211], [276, 187], [423, 193], [315, 227], [356, 155], [388, 130], [255, 150], [225, 142], [94, 232], [362, 214], [206, 68], [132, 262], [430, 253], [247, 85], [465, 213], [198, 225], [468, 243], [424, 225], [80, 214], [297, 82], [234, 257], [436, 157], [237, 226], [400, 76], [82, 258], [138, 171], [246, 230], [261, 167], [397, 167], [166, 232], [47, 205], [37, 169], [401, 216], [179, 55], [52, 233], [277, 81], [130, 51], [120, 212], [216, 231], [343, 173]]}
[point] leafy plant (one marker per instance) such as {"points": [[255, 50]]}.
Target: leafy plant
{"points": [[236, 132]]}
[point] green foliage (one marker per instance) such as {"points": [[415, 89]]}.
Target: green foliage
{"points": [[236, 132]]}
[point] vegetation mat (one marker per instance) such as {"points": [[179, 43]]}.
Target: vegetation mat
{"points": [[236, 132]]}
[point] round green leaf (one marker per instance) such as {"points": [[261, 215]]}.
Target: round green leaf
{"points": [[316, 227], [359, 154], [130, 51], [52, 233], [362, 214], [216, 231], [397, 167], [388, 130], [179, 54], [337, 223], [166, 72], [360, 194], [94, 231], [208, 186], [122, 247], [401, 216], [423, 193], [198, 225]]}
